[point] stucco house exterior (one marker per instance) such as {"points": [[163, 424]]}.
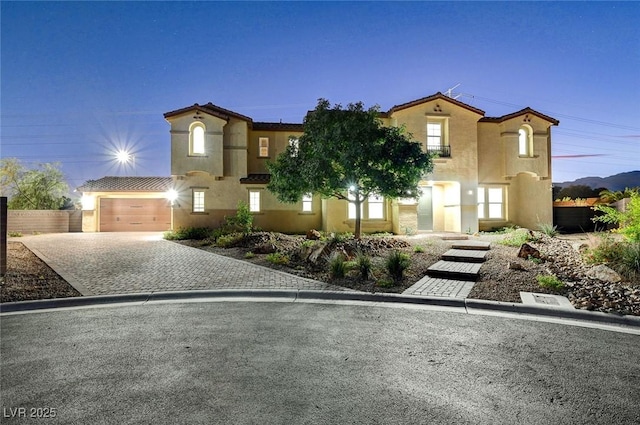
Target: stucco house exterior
{"points": [[489, 171]]}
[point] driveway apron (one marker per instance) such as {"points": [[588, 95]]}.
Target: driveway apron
{"points": [[117, 263]]}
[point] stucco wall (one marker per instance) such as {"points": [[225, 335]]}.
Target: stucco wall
{"points": [[43, 221], [278, 142]]}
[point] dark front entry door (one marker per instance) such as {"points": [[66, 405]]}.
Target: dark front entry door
{"points": [[425, 210]]}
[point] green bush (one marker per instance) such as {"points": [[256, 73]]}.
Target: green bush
{"points": [[517, 238], [397, 262], [385, 283], [363, 264], [550, 282], [337, 265], [15, 234], [418, 249], [249, 255], [185, 233], [548, 229], [621, 256], [241, 222], [308, 243], [277, 258], [341, 237], [628, 220], [226, 241]]}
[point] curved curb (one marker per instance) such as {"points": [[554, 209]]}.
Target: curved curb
{"points": [[471, 306]]}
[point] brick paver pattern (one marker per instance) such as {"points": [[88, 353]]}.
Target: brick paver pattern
{"points": [[436, 287], [117, 263]]}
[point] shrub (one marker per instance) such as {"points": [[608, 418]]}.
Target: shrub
{"points": [[621, 256], [548, 229], [241, 222], [397, 263], [341, 237], [385, 283], [277, 258], [249, 255], [15, 234], [516, 238], [308, 243], [418, 249], [184, 233], [337, 265], [363, 264], [628, 220], [550, 282], [226, 241]]}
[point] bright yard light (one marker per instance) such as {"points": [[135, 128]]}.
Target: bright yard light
{"points": [[172, 195]]}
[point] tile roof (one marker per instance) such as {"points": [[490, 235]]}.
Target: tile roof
{"points": [[127, 184], [524, 111], [256, 179], [437, 96], [210, 109], [275, 126]]}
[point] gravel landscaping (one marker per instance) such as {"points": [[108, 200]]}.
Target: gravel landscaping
{"points": [[502, 276]]}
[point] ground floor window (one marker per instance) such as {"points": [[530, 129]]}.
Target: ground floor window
{"points": [[491, 203], [254, 200], [307, 203], [198, 201], [371, 209]]}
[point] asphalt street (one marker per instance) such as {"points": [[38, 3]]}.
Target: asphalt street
{"points": [[307, 363]]}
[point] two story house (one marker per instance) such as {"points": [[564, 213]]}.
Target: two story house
{"points": [[488, 171]]}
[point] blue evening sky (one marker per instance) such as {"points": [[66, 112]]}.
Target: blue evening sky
{"points": [[80, 80]]}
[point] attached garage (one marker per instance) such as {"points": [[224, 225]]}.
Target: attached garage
{"points": [[126, 204], [134, 215]]}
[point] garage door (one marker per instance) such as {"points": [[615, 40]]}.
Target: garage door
{"points": [[134, 215]]}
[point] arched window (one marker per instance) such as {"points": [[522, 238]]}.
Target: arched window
{"points": [[196, 139], [525, 141]]}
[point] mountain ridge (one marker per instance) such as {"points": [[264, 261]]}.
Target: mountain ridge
{"points": [[614, 183]]}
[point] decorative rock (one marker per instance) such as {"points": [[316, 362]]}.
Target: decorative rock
{"points": [[266, 248], [603, 273], [512, 265], [313, 235], [527, 251]]}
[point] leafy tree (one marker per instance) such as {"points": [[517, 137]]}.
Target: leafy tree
{"points": [[577, 191], [628, 220], [348, 154], [610, 196], [32, 189]]}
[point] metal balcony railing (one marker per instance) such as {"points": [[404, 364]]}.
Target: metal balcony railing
{"points": [[440, 150]]}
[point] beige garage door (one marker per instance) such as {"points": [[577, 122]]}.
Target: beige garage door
{"points": [[134, 215]]}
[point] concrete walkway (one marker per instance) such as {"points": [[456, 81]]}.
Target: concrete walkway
{"points": [[120, 263]]}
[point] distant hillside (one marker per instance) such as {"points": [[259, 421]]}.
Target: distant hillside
{"points": [[613, 183]]}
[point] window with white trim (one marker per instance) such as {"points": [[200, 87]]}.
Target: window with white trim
{"points": [[198, 201], [263, 147], [374, 210], [196, 139], [525, 141], [376, 207], [254, 201], [491, 203], [307, 202], [294, 143], [434, 133]]}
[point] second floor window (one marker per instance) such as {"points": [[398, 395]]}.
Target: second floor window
{"points": [[525, 142], [196, 136], [263, 147], [434, 134], [437, 142], [294, 143]]}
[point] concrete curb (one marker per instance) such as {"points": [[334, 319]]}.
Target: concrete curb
{"points": [[471, 306]]}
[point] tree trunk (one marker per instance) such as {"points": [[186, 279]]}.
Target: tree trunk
{"points": [[358, 231]]}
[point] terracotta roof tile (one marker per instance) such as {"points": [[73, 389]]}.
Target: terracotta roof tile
{"points": [[524, 111], [256, 179], [277, 126], [127, 184]]}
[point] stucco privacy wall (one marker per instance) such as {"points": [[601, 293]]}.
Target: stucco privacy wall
{"points": [[44, 221]]}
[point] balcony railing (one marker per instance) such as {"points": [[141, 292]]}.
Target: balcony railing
{"points": [[440, 150]]}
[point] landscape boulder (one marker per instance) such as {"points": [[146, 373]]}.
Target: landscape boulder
{"points": [[313, 235], [603, 273], [527, 251]]}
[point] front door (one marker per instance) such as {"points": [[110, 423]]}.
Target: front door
{"points": [[425, 209]]}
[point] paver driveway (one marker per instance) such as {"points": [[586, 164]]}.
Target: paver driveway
{"points": [[117, 263]]}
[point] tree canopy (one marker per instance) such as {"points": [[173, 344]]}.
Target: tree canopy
{"points": [[348, 154], [43, 188]]}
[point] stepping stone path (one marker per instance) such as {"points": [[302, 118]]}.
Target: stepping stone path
{"points": [[455, 274]]}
